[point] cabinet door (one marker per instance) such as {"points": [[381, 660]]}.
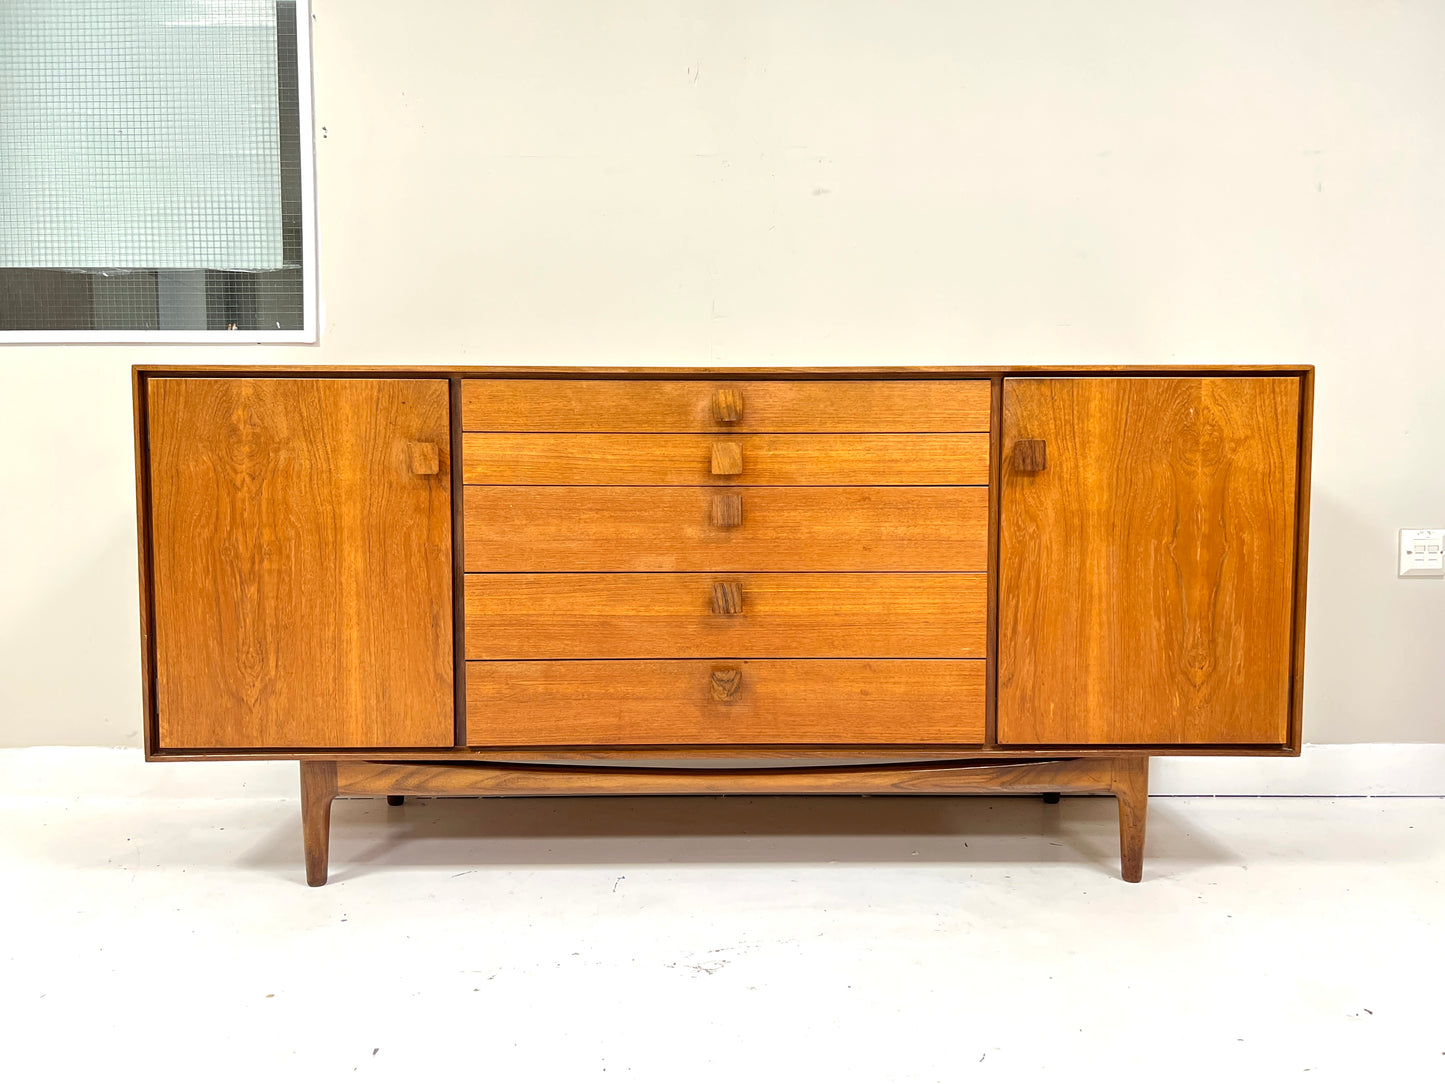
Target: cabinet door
{"points": [[1146, 572], [301, 542]]}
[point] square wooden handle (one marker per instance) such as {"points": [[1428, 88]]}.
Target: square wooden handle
{"points": [[727, 406], [727, 457], [425, 458], [727, 510], [726, 684], [1030, 456], [727, 598]]}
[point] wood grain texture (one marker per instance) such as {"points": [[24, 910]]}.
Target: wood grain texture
{"points": [[1127, 778], [661, 529], [318, 788], [728, 405], [302, 571], [721, 375], [699, 406], [144, 561], [764, 459], [1301, 564], [727, 457], [726, 683], [871, 753], [727, 510], [727, 598], [995, 436], [1030, 456], [1131, 787], [1063, 776], [1146, 577], [589, 702], [425, 458], [459, 564], [673, 615]]}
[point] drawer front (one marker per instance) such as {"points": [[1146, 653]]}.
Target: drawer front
{"points": [[685, 459], [680, 615], [682, 529], [726, 702], [741, 406]]}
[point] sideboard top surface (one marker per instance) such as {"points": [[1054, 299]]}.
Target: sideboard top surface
{"points": [[781, 372]]}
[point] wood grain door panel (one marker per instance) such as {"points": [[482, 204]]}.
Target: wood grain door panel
{"points": [[726, 701], [685, 459], [692, 615], [754, 406], [302, 565], [1147, 570], [671, 529]]}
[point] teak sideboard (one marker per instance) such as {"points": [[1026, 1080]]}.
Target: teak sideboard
{"points": [[422, 581]]}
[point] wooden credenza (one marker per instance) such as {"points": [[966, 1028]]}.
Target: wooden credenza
{"points": [[593, 581]]}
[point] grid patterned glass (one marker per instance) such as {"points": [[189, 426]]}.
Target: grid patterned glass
{"points": [[150, 158]]}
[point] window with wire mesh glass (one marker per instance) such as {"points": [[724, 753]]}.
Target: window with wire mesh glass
{"points": [[150, 166]]}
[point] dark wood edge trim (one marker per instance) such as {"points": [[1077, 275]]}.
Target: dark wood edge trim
{"points": [[720, 752], [459, 541], [1025, 776], [721, 486], [896, 372], [1295, 733], [150, 723], [995, 495], [714, 434], [781, 769], [321, 774], [716, 660]]}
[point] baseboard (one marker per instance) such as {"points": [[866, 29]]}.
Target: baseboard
{"points": [[1374, 770], [1343, 771], [78, 773]]}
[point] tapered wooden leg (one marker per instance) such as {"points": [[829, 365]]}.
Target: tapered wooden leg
{"points": [[318, 787], [1131, 787]]}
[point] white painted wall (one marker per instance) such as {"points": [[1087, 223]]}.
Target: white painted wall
{"points": [[775, 181]]}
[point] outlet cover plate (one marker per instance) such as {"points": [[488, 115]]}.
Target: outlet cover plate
{"points": [[1422, 551]]}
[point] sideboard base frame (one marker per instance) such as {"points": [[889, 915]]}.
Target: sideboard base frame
{"points": [[1127, 778]]}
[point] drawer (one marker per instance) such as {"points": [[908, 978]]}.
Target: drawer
{"points": [[678, 529], [726, 702], [700, 406], [686, 459], [692, 615]]}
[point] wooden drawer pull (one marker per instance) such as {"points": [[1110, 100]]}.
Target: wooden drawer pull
{"points": [[727, 510], [727, 598], [726, 684], [727, 457], [425, 458], [1030, 456], [727, 406]]}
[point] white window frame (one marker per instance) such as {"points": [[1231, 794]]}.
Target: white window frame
{"points": [[310, 302]]}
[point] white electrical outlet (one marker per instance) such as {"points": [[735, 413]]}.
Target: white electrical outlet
{"points": [[1422, 551]]}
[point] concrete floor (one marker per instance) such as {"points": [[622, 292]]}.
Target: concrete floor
{"points": [[170, 936]]}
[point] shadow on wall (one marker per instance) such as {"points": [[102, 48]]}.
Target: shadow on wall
{"points": [[70, 665], [1370, 637]]}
